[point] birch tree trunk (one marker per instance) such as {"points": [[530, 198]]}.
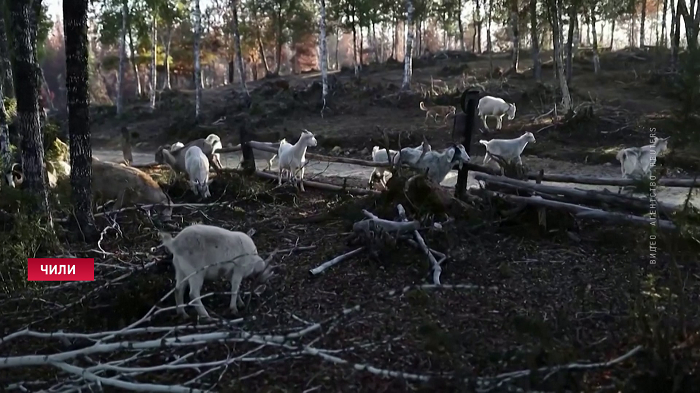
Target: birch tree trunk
{"points": [[556, 29], [6, 65], [261, 49], [407, 61], [26, 74], [76, 40], [166, 60], [570, 43], [197, 64], [122, 60], [323, 53], [478, 25], [488, 39], [516, 36], [337, 46], [664, 41], [154, 52], [461, 28], [612, 34], [237, 46], [596, 57], [673, 21], [675, 40], [642, 23], [134, 66], [354, 44], [536, 64]]}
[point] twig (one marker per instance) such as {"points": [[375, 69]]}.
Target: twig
{"points": [[437, 270], [321, 268]]}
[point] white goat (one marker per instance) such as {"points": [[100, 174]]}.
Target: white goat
{"points": [[439, 163], [636, 162], [197, 165], [380, 155], [204, 252], [293, 157], [495, 107], [176, 146], [508, 149]]}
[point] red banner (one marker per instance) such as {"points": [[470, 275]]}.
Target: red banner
{"points": [[61, 269]]}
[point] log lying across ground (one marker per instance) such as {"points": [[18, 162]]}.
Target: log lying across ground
{"points": [[578, 196], [584, 212], [319, 185]]}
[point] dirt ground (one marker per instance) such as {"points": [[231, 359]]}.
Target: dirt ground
{"points": [[524, 299], [527, 307]]}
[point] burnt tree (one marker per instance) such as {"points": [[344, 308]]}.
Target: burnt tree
{"points": [[26, 74], [75, 28], [5, 65]]}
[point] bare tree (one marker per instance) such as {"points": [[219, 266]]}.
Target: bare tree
{"points": [[26, 73], [407, 66], [554, 7], [197, 64], [122, 59], [643, 22], [323, 49], [77, 77], [237, 45], [154, 53], [536, 64], [516, 34]]}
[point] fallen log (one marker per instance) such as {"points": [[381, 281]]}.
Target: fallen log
{"points": [[319, 185], [612, 181], [585, 196], [584, 212], [355, 161]]}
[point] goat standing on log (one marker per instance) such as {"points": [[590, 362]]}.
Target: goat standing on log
{"points": [[205, 252], [507, 149], [636, 162], [197, 165], [379, 155], [495, 107], [293, 157]]}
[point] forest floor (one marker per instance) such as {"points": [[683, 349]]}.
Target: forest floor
{"points": [[526, 299]]}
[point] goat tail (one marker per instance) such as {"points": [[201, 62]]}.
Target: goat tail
{"points": [[422, 106], [484, 142], [621, 155], [375, 149]]}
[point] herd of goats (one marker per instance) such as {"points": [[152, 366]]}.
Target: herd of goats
{"points": [[204, 252]]}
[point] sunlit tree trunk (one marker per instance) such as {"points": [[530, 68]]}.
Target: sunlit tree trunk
{"points": [[664, 41], [516, 36], [134, 66], [75, 28], [154, 52], [642, 24], [488, 38], [596, 57], [197, 64], [323, 52], [555, 16], [408, 66], [26, 74], [166, 60], [536, 64], [237, 46], [122, 59]]}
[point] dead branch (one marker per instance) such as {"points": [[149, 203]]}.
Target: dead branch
{"points": [[437, 270], [322, 267]]}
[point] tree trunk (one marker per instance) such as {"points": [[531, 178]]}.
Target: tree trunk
{"points": [[323, 53], [237, 45], [122, 60], [596, 57], [556, 35], [374, 42], [570, 43], [488, 38], [393, 41], [354, 44], [166, 61], [642, 23], [5, 151], [461, 28], [407, 60], [280, 42], [612, 34], [478, 26], [536, 64], [5, 65], [516, 36], [135, 67], [675, 41], [362, 48], [197, 62], [663, 24], [673, 22], [75, 33], [337, 46], [154, 53], [26, 74]]}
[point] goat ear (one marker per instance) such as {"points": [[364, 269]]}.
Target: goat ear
{"points": [[451, 153]]}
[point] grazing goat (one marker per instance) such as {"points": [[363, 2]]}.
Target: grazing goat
{"points": [[636, 162], [508, 149], [174, 155], [410, 156], [293, 157], [495, 107], [197, 166], [439, 163], [128, 186], [176, 146], [204, 252]]}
